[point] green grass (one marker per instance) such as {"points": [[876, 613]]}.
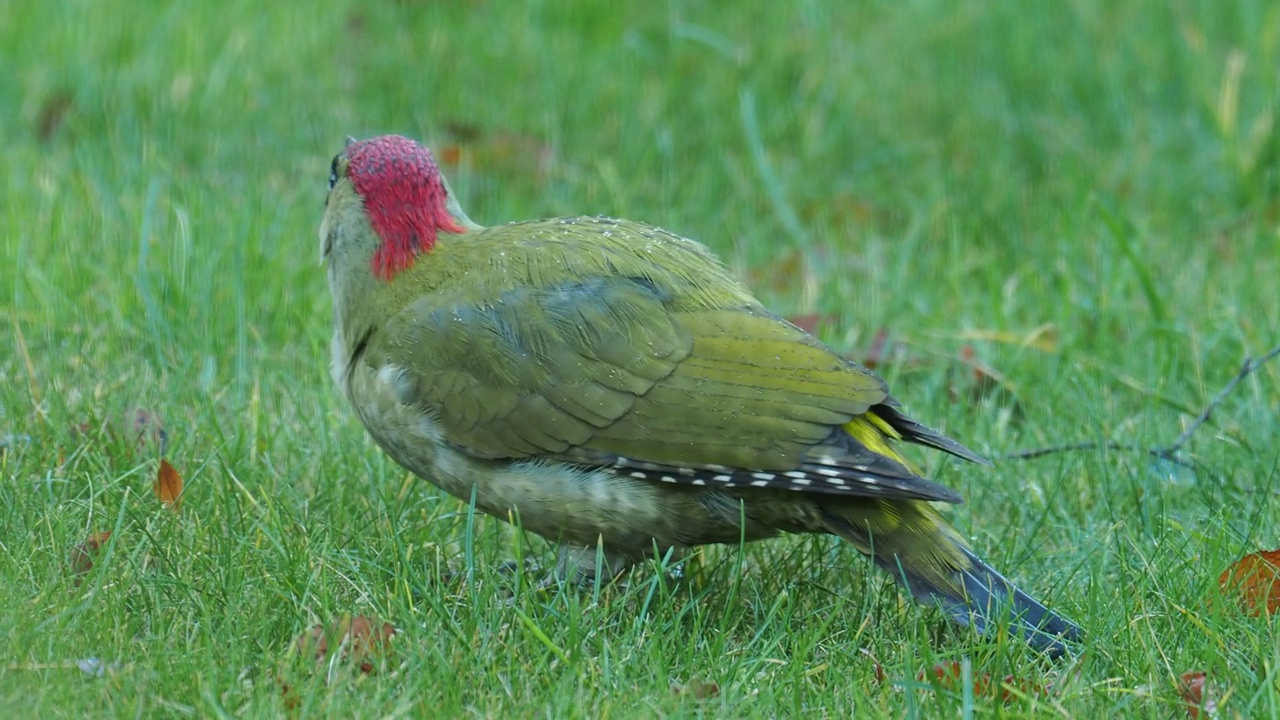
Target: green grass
{"points": [[938, 169]]}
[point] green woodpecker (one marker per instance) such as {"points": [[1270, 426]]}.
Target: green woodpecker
{"points": [[611, 385]]}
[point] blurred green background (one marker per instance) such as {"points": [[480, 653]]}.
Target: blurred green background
{"points": [[1081, 198]]}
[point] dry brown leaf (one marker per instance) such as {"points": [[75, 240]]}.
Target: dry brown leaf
{"points": [[82, 555], [53, 111], [947, 675], [168, 486], [1255, 581], [138, 429], [697, 689], [475, 148], [845, 209], [1198, 695], [877, 353], [883, 352], [785, 273], [148, 427], [361, 640], [450, 155], [979, 382], [984, 378], [810, 322]]}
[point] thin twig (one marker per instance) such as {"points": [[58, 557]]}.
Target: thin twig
{"points": [[1161, 453], [1170, 452], [1245, 370]]}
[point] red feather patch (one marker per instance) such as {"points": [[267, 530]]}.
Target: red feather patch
{"points": [[404, 197]]}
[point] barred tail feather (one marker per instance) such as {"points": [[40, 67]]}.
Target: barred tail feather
{"points": [[990, 599]]}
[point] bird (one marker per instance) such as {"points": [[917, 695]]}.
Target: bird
{"points": [[612, 387]]}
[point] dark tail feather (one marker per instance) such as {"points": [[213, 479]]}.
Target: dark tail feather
{"points": [[913, 431], [990, 599]]}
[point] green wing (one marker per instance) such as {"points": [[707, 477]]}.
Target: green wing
{"points": [[536, 372], [642, 365]]}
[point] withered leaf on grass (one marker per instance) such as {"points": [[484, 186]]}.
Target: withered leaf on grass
{"points": [[974, 382], [1198, 695], [786, 273], [361, 641], [148, 427], [52, 112], [168, 486], [810, 322], [138, 429], [948, 675], [474, 147], [697, 689], [884, 352], [983, 380], [1255, 582], [876, 354], [82, 555]]}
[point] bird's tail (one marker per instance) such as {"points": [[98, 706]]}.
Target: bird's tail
{"points": [[928, 557]]}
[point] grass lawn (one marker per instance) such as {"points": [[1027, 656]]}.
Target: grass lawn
{"points": [[1082, 197]]}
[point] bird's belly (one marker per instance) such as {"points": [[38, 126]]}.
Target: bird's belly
{"points": [[560, 501]]}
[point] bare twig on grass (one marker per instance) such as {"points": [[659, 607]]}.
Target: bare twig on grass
{"points": [[1168, 452], [1245, 370], [1160, 453]]}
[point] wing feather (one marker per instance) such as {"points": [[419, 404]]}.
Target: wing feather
{"points": [[632, 364]]}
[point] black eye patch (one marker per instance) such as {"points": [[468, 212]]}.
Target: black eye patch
{"points": [[333, 172]]}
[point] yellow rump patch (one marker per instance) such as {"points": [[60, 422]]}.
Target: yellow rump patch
{"points": [[874, 433]]}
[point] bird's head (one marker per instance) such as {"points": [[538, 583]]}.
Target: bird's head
{"points": [[388, 190]]}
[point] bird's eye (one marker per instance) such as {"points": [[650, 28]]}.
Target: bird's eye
{"points": [[333, 172]]}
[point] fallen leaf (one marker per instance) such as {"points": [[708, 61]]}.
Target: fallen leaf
{"points": [[947, 676], [981, 382], [450, 155], [1198, 695], [501, 151], [884, 352], [83, 554], [810, 322], [148, 427], [785, 273], [169, 486], [356, 23], [1255, 580], [360, 640], [52, 113], [985, 378], [82, 431], [697, 689], [138, 429], [463, 132], [879, 351], [845, 209]]}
